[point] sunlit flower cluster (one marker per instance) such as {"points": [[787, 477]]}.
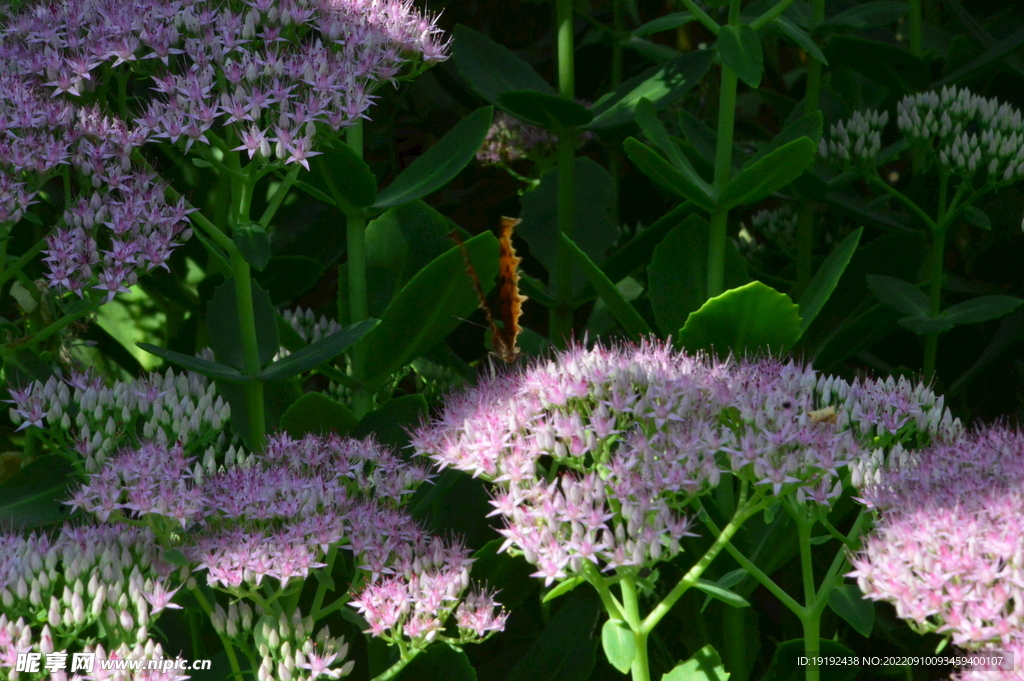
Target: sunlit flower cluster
{"points": [[596, 453], [948, 548], [82, 414]]}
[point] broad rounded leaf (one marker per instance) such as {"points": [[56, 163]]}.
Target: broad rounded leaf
{"points": [[661, 171], [492, 69], [900, 295], [549, 111], [619, 644], [704, 665], [252, 242], [319, 414], [440, 163], [33, 496], [439, 663], [981, 309], [745, 319], [849, 603], [222, 325], [740, 48], [769, 174], [978, 218], [565, 650]]}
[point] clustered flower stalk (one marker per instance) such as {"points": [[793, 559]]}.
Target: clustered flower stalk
{"points": [[248, 90], [976, 145], [597, 455]]}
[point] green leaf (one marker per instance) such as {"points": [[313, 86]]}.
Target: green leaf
{"points": [[715, 591], [740, 49], [562, 588], [665, 23], [849, 603], [822, 539], [868, 15], [741, 320], [175, 557], [785, 664], [548, 111], [639, 250], [662, 84], [704, 665], [492, 69], [594, 230], [32, 497], [440, 662], [510, 575], [726, 581], [630, 319], [252, 242], [428, 308], [566, 649], [677, 275], [922, 324], [391, 422], [769, 174], [900, 295], [806, 126], [662, 172], [619, 645], [992, 57], [225, 334], [287, 277], [978, 218], [801, 38], [344, 177], [826, 278], [655, 131], [884, 63], [440, 163], [318, 414], [981, 309], [317, 353], [197, 364]]}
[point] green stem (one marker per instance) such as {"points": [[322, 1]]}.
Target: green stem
{"points": [[229, 649], [811, 620], [358, 307], [744, 511], [717, 238], [597, 580], [769, 16], [393, 670], [250, 350], [615, 153], [702, 16], [902, 198], [641, 668], [916, 44], [735, 631], [805, 217], [22, 260], [321, 589], [561, 319], [47, 331], [936, 261]]}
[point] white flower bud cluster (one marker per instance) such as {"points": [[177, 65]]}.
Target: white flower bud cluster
{"points": [[95, 420], [857, 140], [111, 577], [308, 326], [967, 132], [287, 647]]}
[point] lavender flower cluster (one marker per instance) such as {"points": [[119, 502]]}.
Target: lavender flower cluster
{"points": [[265, 74], [967, 131], [276, 514], [595, 453], [948, 548], [510, 139], [53, 589], [82, 414]]}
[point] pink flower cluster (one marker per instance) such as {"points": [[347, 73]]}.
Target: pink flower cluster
{"points": [[82, 414], [594, 453], [276, 514], [948, 547], [54, 588]]}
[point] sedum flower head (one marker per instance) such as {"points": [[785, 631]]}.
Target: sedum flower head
{"points": [[968, 133], [594, 453], [510, 139], [81, 413], [855, 141]]}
